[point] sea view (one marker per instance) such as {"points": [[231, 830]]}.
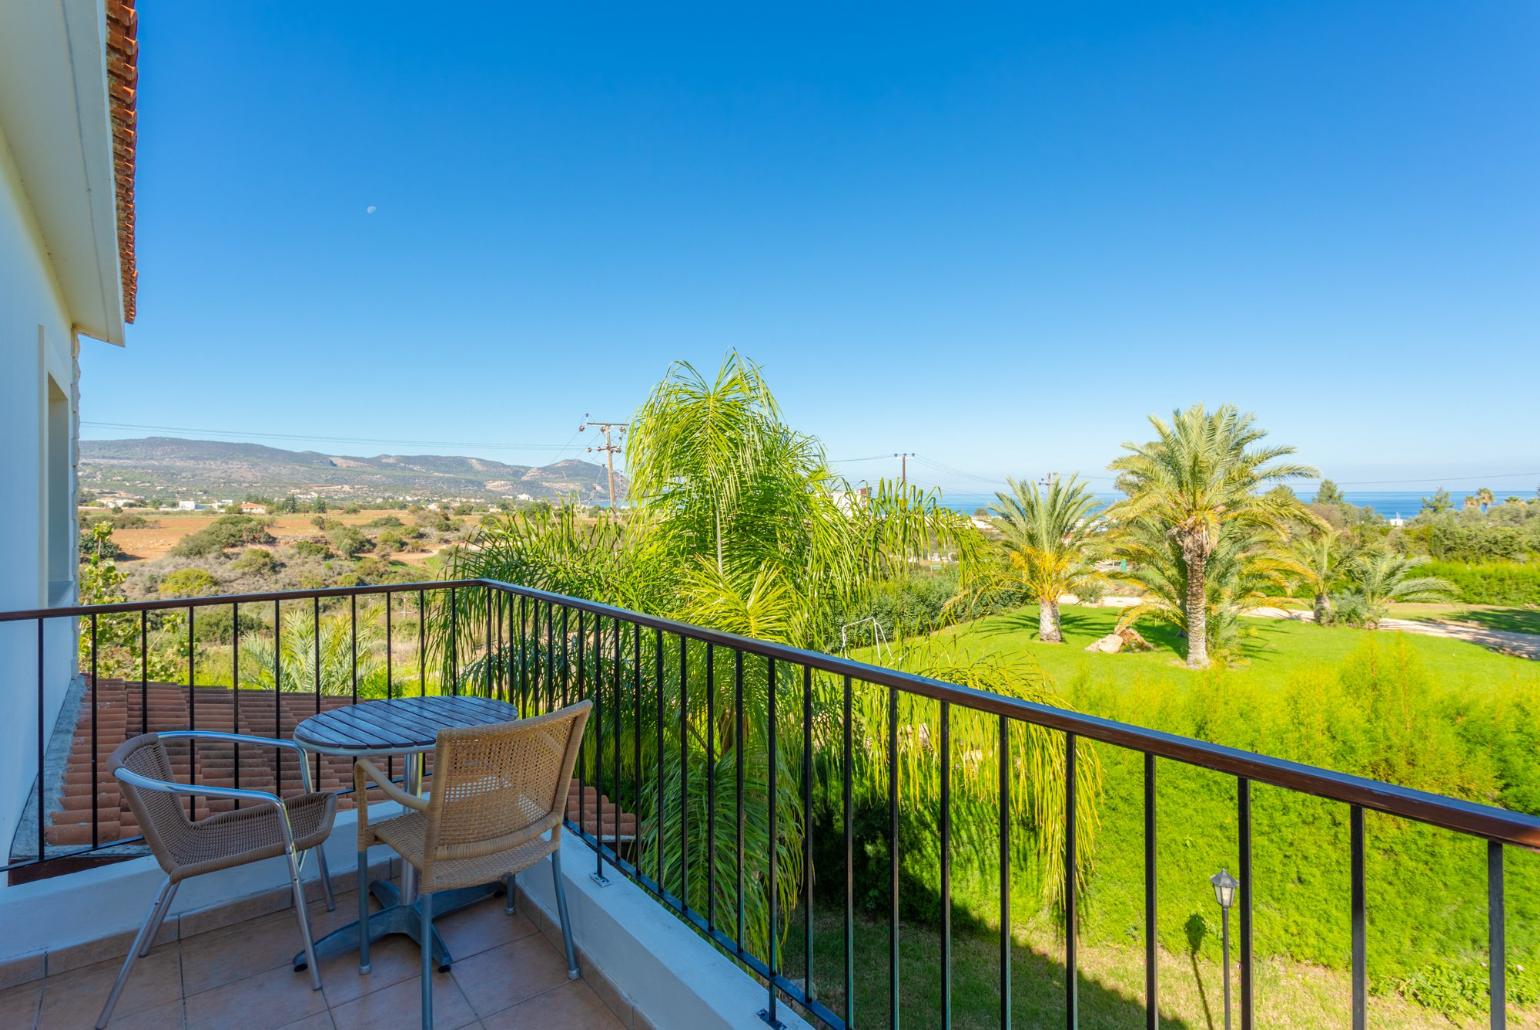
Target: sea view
{"points": [[1386, 503]]}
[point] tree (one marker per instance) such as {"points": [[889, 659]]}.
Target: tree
{"points": [[1484, 497], [1381, 578], [1316, 558], [1201, 474], [1438, 504], [1049, 539], [1328, 493]]}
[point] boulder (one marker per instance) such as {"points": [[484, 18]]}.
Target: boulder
{"points": [[1112, 643]]}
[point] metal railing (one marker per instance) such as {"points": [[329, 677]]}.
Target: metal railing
{"points": [[539, 650]]}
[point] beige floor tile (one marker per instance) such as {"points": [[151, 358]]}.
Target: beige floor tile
{"points": [[18, 1005], [572, 1006], [391, 960], [223, 956], [162, 1017], [73, 999], [497, 979], [481, 927], [275, 998], [399, 1007]]}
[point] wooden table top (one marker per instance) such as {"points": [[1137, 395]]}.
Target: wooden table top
{"points": [[398, 726]]}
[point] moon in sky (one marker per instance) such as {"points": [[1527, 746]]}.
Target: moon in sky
{"points": [[370, 209]]}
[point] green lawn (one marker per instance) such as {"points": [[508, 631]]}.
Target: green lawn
{"points": [[1435, 714]]}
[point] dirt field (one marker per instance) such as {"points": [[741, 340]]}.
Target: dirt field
{"points": [[167, 527]]}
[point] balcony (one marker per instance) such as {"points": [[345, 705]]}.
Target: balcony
{"points": [[717, 772]]}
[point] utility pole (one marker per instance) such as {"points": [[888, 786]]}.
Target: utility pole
{"points": [[609, 447], [903, 466]]}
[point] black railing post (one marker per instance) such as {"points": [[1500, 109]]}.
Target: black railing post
{"points": [[769, 1015], [1151, 955], [235, 693], [738, 743], [42, 715], [946, 864], [850, 873], [96, 832], [684, 775], [893, 827], [1497, 950], [1005, 872], [711, 791], [1243, 803], [1360, 957], [1071, 901]]}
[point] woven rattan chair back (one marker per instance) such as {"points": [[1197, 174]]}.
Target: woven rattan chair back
{"points": [[162, 818], [496, 787]]}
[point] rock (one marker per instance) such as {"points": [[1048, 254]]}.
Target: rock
{"points": [[1132, 641], [1112, 643]]}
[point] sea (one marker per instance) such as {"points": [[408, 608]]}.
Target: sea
{"points": [[1388, 504]]}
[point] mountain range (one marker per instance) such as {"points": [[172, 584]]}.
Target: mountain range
{"points": [[159, 466]]}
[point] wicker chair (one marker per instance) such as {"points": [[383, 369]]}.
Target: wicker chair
{"points": [[267, 827], [497, 790]]}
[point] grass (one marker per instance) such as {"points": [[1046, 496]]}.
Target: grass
{"points": [[1433, 713]]}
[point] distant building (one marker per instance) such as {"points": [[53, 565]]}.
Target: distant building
{"points": [[119, 501], [249, 508]]}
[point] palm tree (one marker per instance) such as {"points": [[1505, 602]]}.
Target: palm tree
{"points": [[1484, 497], [1381, 578], [1200, 474], [1315, 558], [1049, 538]]}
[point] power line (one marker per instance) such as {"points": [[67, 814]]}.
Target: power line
{"points": [[241, 434]]}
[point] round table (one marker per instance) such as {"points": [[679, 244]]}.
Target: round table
{"points": [[408, 727]]}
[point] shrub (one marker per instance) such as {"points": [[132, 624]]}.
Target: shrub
{"points": [[348, 541], [1491, 582], [254, 561], [384, 521], [223, 533], [192, 582], [312, 549]]}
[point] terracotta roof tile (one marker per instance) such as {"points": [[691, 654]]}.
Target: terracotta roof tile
{"points": [[121, 713], [122, 88]]}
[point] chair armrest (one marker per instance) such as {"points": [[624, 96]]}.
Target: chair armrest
{"points": [[365, 768], [242, 738]]}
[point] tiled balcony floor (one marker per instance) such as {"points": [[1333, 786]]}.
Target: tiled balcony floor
{"points": [[506, 974]]}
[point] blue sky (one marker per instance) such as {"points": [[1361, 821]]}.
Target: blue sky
{"points": [[996, 237]]}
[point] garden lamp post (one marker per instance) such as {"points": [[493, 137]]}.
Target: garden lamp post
{"points": [[1224, 893]]}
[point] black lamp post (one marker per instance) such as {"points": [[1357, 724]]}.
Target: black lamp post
{"points": [[1224, 893]]}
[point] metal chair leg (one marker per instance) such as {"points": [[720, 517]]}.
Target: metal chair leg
{"points": [[561, 910], [301, 911], [326, 876], [363, 911], [159, 917], [141, 940], [510, 885], [425, 903]]}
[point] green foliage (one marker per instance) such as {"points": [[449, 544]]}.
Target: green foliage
{"points": [[1491, 582], [1050, 541], [255, 561], [1196, 485], [96, 541], [223, 533], [312, 643], [348, 541], [190, 582], [312, 549], [1380, 578]]}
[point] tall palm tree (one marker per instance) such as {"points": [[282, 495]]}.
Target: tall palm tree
{"points": [[1484, 497], [1202, 472], [1050, 540]]}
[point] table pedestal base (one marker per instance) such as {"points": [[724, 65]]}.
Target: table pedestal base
{"points": [[398, 918]]}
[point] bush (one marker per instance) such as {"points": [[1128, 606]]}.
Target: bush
{"points": [[254, 561], [312, 549], [223, 533], [383, 522], [348, 541], [193, 582], [1491, 582]]}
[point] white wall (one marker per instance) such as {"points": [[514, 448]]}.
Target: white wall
{"points": [[37, 344]]}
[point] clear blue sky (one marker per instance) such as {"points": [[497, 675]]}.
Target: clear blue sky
{"points": [[997, 237]]}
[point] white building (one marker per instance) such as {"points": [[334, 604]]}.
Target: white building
{"points": [[67, 82]]}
